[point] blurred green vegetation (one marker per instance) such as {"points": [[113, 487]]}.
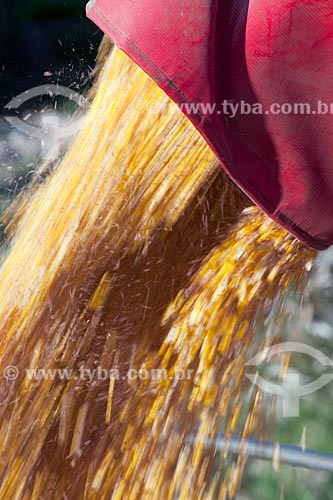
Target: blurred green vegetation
{"points": [[305, 324]]}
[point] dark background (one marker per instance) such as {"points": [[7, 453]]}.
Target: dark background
{"points": [[39, 36], [42, 42]]}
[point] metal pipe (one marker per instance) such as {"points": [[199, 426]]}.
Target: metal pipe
{"points": [[285, 454]]}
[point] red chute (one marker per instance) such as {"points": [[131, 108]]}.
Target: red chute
{"points": [[260, 76]]}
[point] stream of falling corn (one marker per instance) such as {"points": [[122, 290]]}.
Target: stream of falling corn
{"points": [[136, 253]]}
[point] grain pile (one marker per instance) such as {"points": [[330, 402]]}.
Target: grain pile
{"points": [[136, 256]]}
